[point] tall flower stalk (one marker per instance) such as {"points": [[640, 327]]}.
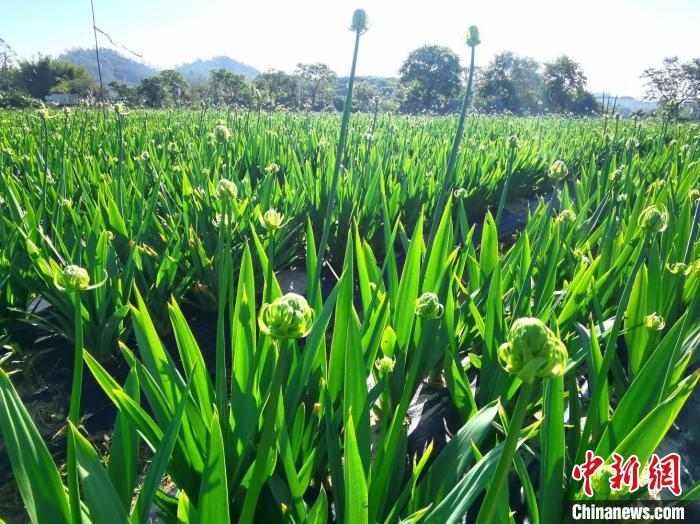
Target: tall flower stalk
{"points": [[359, 27], [473, 40]]}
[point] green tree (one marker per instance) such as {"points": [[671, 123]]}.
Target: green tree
{"points": [[45, 75], [8, 59], [153, 93], [510, 83], [175, 85], [276, 88], [430, 77], [123, 92], [365, 96], [225, 87], [673, 84], [564, 82], [317, 83]]}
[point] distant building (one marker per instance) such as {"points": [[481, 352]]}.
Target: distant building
{"points": [[61, 99]]}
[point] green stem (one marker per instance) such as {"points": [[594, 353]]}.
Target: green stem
{"points": [[498, 482], [336, 172], [448, 181], [74, 410], [223, 256]]}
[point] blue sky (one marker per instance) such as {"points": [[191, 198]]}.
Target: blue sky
{"points": [[615, 40]]}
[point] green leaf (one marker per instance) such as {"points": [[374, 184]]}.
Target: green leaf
{"points": [[356, 498], [213, 506], [552, 442], [37, 477], [102, 499]]}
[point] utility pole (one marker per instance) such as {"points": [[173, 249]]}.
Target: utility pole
{"points": [[97, 52]]}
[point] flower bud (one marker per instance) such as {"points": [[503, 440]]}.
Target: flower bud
{"points": [[461, 193], [654, 219], [567, 215], [532, 350], [74, 278], [289, 316], [632, 143], [473, 39], [384, 365], [428, 306], [694, 195], [654, 322], [272, 168], [272, 220], [513, 142], [359, 21], [222, 134], [558, 170], [677, 268], [227, 189]]}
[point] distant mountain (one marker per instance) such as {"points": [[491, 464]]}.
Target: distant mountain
{"points": [[114, 65], [198, 71], [626, 104]]}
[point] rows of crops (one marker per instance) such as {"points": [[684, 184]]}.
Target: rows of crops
{"points": [[578, 333]]}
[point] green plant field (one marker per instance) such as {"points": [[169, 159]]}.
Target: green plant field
{"points": [[299, 416]]}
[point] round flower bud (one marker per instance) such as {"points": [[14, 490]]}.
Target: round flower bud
{"points": [[654, 219], [532, 350], [428, 306], [227, 189], [384, 365], [632, 143], [461, 193], [600, 481], [74, 278], [289, 316], [222, 133], [567, 215], [272, 168], [694, 195], [513, 142], [558, 171], [654, 322], [677, 268], [272, 220], [473, 39], [359, 21]]}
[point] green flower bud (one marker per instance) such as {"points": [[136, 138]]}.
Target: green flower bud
{"points": [[567, 215], [600, 481], [272, 168], [428, 306], [272, 220], [654, 219], [461, 193], [289, 316], [532, 350], [74, 278], [558, 171], [473, 39], [227, 189], [677, 268], [384, 365], [513, 142], [222, 134], [632, 143], [359, 21], [654, 322], [694, 195]]}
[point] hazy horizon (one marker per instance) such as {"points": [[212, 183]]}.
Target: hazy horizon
{"points": [[613, 41]]}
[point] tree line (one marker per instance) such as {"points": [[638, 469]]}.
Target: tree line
{"points": [[431, 80]]}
